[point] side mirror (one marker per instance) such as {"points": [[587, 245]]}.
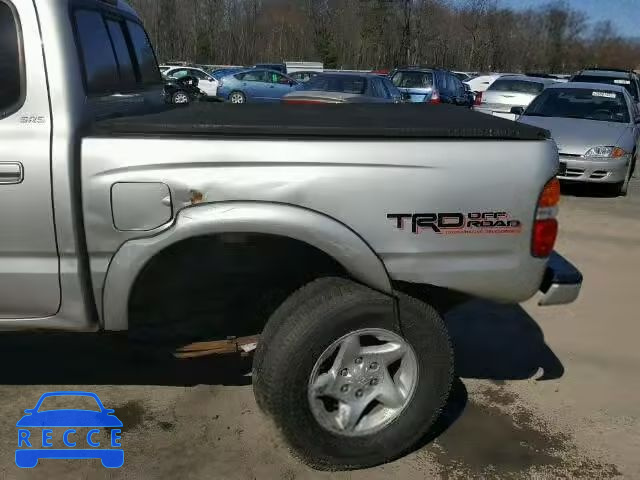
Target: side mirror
{"points": [[517, 110]]}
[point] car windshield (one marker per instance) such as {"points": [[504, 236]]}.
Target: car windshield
{"points": [[69, 402], [517, 86], [413, 79], [622, 82], [581, 103], [337, 83]]}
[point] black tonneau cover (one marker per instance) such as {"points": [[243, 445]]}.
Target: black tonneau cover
{"points": [[335, 121]]}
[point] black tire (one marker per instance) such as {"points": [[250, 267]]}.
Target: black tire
{"points": [[306, 324], [180, 94], [239, 95]]}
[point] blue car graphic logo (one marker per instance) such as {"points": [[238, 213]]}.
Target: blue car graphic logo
{"points": [[32, 446]]}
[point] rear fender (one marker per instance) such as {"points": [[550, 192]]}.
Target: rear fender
{"points": [[314, 228]]}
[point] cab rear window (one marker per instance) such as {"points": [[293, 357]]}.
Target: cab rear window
{"points": [[146, 59], [115, 54], [98, 58], [11, 91]]}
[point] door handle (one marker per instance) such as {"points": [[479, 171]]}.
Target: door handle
{"points": [[11, 173]]}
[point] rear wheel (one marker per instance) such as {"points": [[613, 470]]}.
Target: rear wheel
{"points": [[237, 97], [348, 385]]}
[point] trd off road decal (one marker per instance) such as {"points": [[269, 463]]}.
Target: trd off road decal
{"points": [[457, 223]]}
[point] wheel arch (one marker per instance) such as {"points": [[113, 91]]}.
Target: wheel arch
{"points": [[313, 228]]}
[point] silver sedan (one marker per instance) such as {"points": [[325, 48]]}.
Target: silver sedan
{"points": [[596, 128]]}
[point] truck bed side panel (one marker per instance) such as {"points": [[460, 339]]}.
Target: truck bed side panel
{"points": [[359, 183]]}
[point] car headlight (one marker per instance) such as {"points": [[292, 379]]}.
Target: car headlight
{"points": [[606, 152]]}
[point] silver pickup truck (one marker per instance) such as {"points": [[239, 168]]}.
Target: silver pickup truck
{"points": [[336, 232]]}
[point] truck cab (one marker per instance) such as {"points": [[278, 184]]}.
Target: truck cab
{"points": [[63, 65]]}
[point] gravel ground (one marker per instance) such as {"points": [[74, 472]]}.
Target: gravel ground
{"points": [[542, 393]]}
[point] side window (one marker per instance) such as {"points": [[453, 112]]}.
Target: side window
{"points": [[199, 74], [459, 86], [441, 83], [123, 56], [378, 90], [255, 76], [100, 67], [11, 93], [451, 84], [179, 73], [276, 78], [147, 64], [391, 88]]}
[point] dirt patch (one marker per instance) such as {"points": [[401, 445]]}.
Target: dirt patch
{"points": [[490, 443], [131, 414]]}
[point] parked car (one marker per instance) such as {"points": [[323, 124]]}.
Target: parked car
{"points": [[182, 91], [348, 227], [465, 76], [625, 78], [481, 83], [278, 67], [207, 83], [255, 85], [596, 128], [426, 85], [345, 88], [508, 92], [303, 76]]}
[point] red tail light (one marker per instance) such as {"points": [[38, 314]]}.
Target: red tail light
{"points": [[435, 97], [478, 100], [545, 228]]}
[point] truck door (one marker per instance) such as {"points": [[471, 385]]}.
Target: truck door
{"points": [[29, 264]]}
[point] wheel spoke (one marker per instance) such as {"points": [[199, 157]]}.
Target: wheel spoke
{"points": [[389, 393], [348, 415], [323, 383], [387, 353], [348, 351]]}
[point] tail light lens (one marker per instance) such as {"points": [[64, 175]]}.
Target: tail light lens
{"points": [[435, 97], [545, 228], [478, 100]]}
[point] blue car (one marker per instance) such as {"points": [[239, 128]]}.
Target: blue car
{"points": [[29, 442], [255, 85], [431, 85]]}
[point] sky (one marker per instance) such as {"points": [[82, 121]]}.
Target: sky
{"points": [[624, 14]]}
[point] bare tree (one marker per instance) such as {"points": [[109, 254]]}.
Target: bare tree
{"points": [[461, 34]]}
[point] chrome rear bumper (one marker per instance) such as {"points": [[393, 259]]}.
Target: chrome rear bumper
{"points": [[562, 282]]}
